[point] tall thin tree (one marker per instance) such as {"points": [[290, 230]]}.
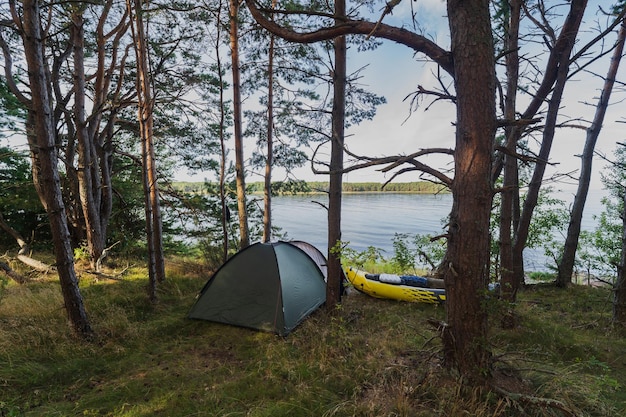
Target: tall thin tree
{"points": [[509, 209], [267, 187], [145, 104], [335, 274], [564, 45], [89, 183], [566, 264], [242, 211], [225, 216]]}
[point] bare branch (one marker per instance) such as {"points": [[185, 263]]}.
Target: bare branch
{"points": [[358, 27]]}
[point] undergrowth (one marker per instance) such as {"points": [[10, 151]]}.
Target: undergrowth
{"points": [[368, 357]]}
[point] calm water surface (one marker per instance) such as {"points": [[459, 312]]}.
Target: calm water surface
{"points": [[372, 219], [367, 219]]}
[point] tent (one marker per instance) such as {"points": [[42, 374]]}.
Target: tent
{"points": [[266, 286]]}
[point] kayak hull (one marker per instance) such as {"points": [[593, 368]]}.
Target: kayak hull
{"points": [[400, 292]]}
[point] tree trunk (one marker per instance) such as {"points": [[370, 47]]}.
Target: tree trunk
{"points": [[222, 178], [145, 103], [35, 157], [564, 47], [466, 279], [510, 188], [267, 188], [566, 264], [150, 241], [619, 290], [103, 137], [88, 168], [48, 167], [244, 236], [335, 272]]}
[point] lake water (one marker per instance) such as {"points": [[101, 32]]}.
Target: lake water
{"points": [[372, 219]]}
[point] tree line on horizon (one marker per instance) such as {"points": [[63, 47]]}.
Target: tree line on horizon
{"points": [[303, 187], [113, 97]]}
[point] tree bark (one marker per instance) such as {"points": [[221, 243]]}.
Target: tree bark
{"points": [[566, 265], [88, 178], [267, 188], [467, 275], [222, 177], [335, 272], [619, 289], [510, 188], [145, 103], [566, 43], [244, 235], [49, 169]]}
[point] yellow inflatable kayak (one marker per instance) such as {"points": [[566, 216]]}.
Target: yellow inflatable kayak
{"points": [[404, 288]]}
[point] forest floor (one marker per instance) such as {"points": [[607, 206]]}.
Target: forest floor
{"points": [[368, 357]]}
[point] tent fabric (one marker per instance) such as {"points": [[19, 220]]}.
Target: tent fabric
{"points": [[319, 258], [314, 253], [266, 286]]}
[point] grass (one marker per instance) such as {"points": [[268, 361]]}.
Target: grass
{"points": [[368, 357]]}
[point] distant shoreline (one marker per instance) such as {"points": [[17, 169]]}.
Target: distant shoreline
{"points": [[320, 187]]}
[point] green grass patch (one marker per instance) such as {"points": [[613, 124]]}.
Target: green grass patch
{"points": [[369, 357]]}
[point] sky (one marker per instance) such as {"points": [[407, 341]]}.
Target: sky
{"points": [[394, 71]]}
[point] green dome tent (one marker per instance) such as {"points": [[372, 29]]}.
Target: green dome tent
{"points": [[266, 286]]}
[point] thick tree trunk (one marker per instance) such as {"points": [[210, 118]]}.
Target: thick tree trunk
{"points": [[244, 234], [48, 168], [335, 272], [566, 265], [467, 275]]}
